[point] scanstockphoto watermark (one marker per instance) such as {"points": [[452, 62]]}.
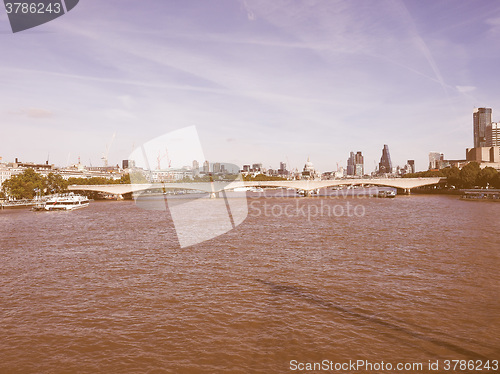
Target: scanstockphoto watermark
{"points": [[316, 206], [297, 209]]}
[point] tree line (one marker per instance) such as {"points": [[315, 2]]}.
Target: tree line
{"points": [[30, 184], [470, 176]]}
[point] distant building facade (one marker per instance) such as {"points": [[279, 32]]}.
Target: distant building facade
{"points": [[5, 173], [486, 149], [411, 164], [481, 118], [282, 171], [196, 168], [435, 159], [196, 165], [128, 164], [385, 164], [206, 167], [493, 135], [483, 154], [355, 164], [309, 171], [216, 167]]}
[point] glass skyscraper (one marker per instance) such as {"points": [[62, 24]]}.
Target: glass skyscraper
{"points": [[482, 123], [385, 165]]}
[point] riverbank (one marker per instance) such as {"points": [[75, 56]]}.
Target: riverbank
{"points": [[17, 204]]}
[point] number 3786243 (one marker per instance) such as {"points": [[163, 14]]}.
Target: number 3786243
{"points": [[33, 8]]}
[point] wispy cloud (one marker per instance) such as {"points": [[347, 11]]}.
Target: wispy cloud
{"points": [[250, 13], [36, 113], [465, 89]]}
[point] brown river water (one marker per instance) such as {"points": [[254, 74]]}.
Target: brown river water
{"points": [[108, 289]]}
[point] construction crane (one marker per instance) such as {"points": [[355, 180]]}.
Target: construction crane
{"points": [[106, 152]]}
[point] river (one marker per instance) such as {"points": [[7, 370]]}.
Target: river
{"points": [[108, 289]]}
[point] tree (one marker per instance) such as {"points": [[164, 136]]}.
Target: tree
{"points": [[486, 176], [55, 183], [262, 177], [496, 181], [468, 175], [125, 179], [25, 185], [452, 175]]}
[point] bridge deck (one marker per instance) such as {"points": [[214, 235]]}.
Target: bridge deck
{"points": [[306, 185]]}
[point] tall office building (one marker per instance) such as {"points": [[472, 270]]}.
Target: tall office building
{"points": [[206, 167], [411, 163], [126, 164], [216, 167], [385, 165], [355, 164], [350, 164], [435, 159], [493, 135], [359, 165], [282, 170], [482, 123]]}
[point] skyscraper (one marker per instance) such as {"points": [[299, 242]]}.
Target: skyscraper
{"points": [[482, 123], [385, 165], [412, 165], [216, 167], [435, 159], [355, 164], [282, 170], [206, 167], [350, 164]]}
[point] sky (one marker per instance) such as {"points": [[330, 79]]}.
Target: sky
{"points": [[262, 81]]}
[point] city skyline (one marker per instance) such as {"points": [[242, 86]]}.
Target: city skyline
{"points": [[262, 83]]}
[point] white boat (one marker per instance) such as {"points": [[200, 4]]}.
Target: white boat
{"points": [[256, 189], [387, 193], [68, 201]]}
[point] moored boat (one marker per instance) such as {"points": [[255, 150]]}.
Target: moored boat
{"points": [[481, 195], [67, 201]]}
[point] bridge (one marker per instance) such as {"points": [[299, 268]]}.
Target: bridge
{"points": [[213, 188]]}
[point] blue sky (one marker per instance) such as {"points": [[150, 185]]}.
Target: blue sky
{"points": [[262, 81]]}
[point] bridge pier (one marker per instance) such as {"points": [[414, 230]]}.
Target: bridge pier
{"points": [[407, 191], [214, 195]]}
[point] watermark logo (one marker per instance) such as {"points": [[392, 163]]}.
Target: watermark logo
{"points": [[26, 14], [204, 199]]}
